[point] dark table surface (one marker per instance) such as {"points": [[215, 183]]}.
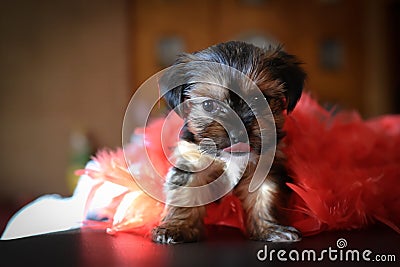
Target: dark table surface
{"points": [[224, 247]]}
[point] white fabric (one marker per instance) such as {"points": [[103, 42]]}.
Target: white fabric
{"points": [[52, 213]]}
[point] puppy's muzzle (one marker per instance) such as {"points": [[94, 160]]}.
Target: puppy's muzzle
{"points": [[238, 136]]}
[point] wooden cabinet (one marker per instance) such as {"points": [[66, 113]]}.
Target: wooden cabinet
{"points": [[304, 27]]}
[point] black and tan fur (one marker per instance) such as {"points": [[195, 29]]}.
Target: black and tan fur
{"points": [[280, 79]]}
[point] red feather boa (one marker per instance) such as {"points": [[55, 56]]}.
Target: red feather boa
{"points": [[345, 173]]}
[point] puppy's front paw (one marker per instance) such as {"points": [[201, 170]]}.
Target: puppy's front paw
{"points": [[175, 234], [279, 233]]}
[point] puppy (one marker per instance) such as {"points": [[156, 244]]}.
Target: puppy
{"points": [[228, 132]]}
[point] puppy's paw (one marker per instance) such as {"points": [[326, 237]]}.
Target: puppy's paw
{"points": [[279, 233], [175, 234]]}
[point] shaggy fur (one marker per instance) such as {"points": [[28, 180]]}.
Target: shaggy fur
{"points": [[201, 105]]}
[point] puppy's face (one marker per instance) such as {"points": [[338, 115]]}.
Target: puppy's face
{"points": [[233, 95], [234, 119]]}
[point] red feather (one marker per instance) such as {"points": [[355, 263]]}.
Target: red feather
{"points": [[346, 171]]}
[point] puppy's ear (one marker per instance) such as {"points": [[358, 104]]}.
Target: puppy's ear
{"points": [[174, 97], [174, 82], [286, 68]]}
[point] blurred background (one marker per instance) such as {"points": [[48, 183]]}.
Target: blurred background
{"points": [[68, 68]]}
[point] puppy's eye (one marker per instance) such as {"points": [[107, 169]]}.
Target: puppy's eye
{"points": [[210, 106]]}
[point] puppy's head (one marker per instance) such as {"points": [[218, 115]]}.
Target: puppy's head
{"points": [[221, 90]]}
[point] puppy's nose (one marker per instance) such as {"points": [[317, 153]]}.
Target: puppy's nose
{"points": [[238, 136]]}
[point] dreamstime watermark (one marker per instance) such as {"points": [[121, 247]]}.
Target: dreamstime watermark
{"points": [[336, 254], [219, 80]]}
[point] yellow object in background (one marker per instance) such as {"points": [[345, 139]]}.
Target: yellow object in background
{"points": [[80, 152]]}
